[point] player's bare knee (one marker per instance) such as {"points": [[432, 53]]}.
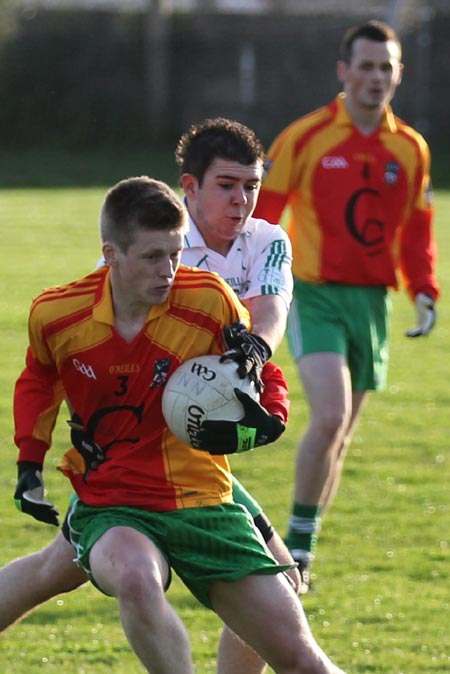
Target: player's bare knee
{"points": [[140, 583], [330, 424]]}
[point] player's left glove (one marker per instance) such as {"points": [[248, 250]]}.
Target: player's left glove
{"points": [[249, 351], [91, 452], [426, 316], [257, 427]]}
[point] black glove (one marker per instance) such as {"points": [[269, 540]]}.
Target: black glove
{"points": [[91, 452], [257, 427], [248, 350], [29, 494]]}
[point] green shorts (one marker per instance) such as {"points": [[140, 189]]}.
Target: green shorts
{"points": [[242, 496], [201, 545], [345, 319]]}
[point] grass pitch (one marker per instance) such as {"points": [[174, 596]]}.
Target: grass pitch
{"points": [[381, 596]]}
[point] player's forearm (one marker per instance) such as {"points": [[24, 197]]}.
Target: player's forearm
{"points": [[36, 403], [269, 316], [418, 255], [32, 418], [31, 449]]}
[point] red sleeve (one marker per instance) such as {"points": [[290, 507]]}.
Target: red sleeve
{"points": [[418, 255], [274, 398], [37, 397], [270, 205]]}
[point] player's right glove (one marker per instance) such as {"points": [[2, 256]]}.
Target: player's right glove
{"points": [[91, 452], [426, 316], [257, 427], [29, 494], [249, 351]]}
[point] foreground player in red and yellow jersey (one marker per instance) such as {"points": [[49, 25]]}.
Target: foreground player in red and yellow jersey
{"points": [[221, 164], [356, 179], [145, 502]]}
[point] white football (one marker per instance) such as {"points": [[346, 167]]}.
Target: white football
{"points": [[199, 389]]}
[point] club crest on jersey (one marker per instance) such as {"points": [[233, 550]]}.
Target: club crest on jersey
{"points": [[391, 173], [160, 372]]}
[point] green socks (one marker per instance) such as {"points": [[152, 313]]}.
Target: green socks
{"points": [[304, 526]]}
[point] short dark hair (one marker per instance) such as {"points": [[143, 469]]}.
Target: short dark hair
{"points": [[139, 203], [217, 138], [374, 30]]}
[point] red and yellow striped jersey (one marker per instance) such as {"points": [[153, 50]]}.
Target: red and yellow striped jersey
{"points": [[116, 386], [360, 206]]}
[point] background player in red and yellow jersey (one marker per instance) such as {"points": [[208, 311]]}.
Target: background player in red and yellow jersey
{"points": [[356, 179], [145, 502]]}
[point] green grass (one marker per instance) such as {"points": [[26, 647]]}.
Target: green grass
{"points": [[381, 599]]}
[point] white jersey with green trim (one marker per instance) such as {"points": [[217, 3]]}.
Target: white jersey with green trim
{"points": [[258, 263]]}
